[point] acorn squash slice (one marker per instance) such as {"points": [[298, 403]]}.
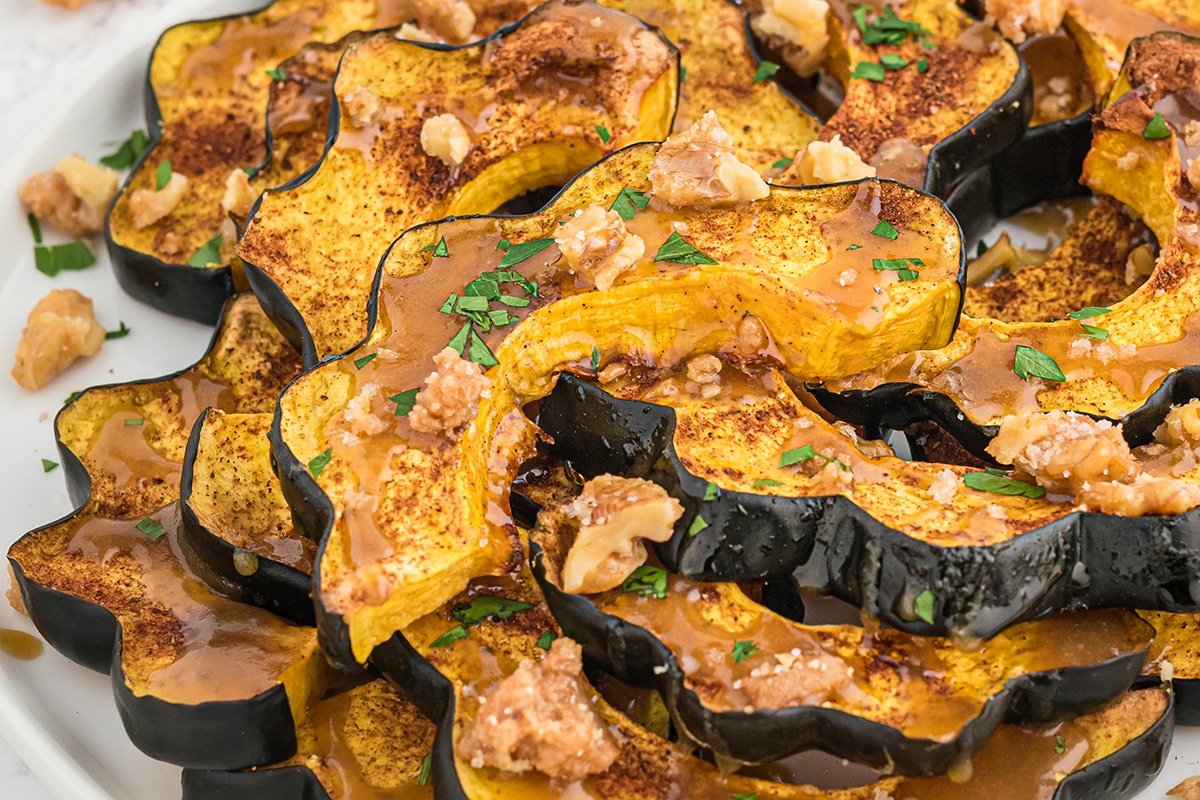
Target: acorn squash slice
{"points": [[1177, 643], [199, 680], [375, 179], [398, 554], [235, 520], [879, 533], [754, 686], [206, 94]]}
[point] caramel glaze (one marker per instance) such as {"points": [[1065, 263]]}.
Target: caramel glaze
{"points": [[411, 332], [181, 642], [20, 645], [1054, 61], [1117, 24], [925, 687]]}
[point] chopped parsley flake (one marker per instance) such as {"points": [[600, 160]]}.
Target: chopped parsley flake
{"points": [[595, 359], [48, 465], [744, 796], [885, 229], [503, 244], [320, 462], [854, 247], [893, 61], [981, 248], [517, 253], [763, 483], [426, 767], [1156, 128], [887, 28], [362, 361], [604, 134], [546, 639], [1088, 312], [677, 250], [1060, 745], [805, 453], [1031, 361], [698, 524], [53, 259], [486, 606], [127, 154], [782, 163], [743, 650], [151, 527], [1092, 332], [119, 333], [162, 175], [766, 69], [439, 250], [138, 421], [277, 74], [457, 633], [924, 606], [405, 401], [922, 66], [868, 70], [646, 581], [209, 255], [710, 492], [997, 482], [628, 202], [902, 267]]}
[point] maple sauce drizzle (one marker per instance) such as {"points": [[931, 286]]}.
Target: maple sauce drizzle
{"points": [[245, 46], [890, 668], [1118, 22], [20, 645], [1058, 71]]}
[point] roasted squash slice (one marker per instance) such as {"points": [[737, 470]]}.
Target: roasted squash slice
{"points": [[877, 534], [199, 680], [235, 520], [206, 94], [1175, 658], [754, 686], [378, 177], [399, 554]]}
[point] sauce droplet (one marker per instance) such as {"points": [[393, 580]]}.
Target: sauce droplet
{"points": [[20, 645]]}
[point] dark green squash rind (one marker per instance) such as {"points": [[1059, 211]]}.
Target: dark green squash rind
{"points": [[279, 783], [1130, 769], [828, 544], [633, 655], [275, 586]]}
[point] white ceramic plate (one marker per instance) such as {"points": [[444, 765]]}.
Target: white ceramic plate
{"points": [[60, 717]]}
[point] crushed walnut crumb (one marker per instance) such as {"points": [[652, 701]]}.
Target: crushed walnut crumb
{"points": [[61, 328], [150, 205], [597, 245], [1063, 450], [541, 717], [361, 107], [450, 399], [445, 137], [827, 162], [1018, 19], [801, 24], [697, 167], [239, 196], [615, 515], [797, 678], [1147, 495], [704, 376], [944, 487], [73, 197]]}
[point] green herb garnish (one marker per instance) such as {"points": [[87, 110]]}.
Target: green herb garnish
{"points": [[763, 483], [854, 247], [604, 134], [521, 252], [628, 202], [710, 492], [152, 528], [426, 767], [782, 163], [884, 228], [319, 463], [1092, 332], [595, 359], [450, 637], [546, 639], [71, 398], [805, 453], [887, 28], [405, 401], [1060, 745], [893, 61], [439, 250], [162, 176], [137, 421], [468, 345], [922, 66], [744, 796], [924, 606], [902, 266], [119, 333], [997, 482], [1030, 361], [677, 250], [1088, 312], [981, 248], [743, 650], [53, 259], [868, 70], [48, 465], [362, 361], [128, 152], [277, 74], [698, 524], [486, 606], [209, 254], [646, 581], [766, 69], [1156, 128]]}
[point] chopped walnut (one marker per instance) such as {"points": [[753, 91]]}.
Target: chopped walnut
{"points": [[797, 679], [450, 399], [453, 20], [698, 168], [615, 514], [704, 376], [541, 717], [61, 328], [751, 337], [361, 413], [1148, 495], [1189, 789], [829, 162], [1017, 19], [414, 33], [1191, 133], [149, 206], [1181, 426], [800, 23], [361, 107], [944, 487], [1063, 451], [239, 197], [73, 197], [445, 137], [596, 243]]}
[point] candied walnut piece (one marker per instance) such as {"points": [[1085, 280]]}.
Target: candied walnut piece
{"points": [[800, 23], [704, 376], [61, 328], [445, 137], [1181, 426], [149, 206], [450, 399], [415, 33], [698, 168], [615, 514], [541, 717], [239, 196], [597, 245], [1064, 451], [361, 107], [1189, 789], [944, 487], [73, 197], [453, 20], [1148, 495], [1017, 19], [797, 678], [827, 162]]}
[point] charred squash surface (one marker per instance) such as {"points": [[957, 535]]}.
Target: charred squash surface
{"points": [[375, 179], [364, 743], [1150, 337], [875, 535], [199, 680], [236, 521], [207, 89], [1177, 644], [758, 687], [390, 559]]}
